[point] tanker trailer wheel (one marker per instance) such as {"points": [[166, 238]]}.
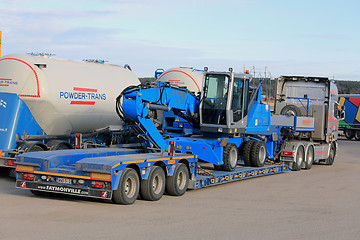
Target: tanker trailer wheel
{"points": [[330, 160], [258, 154], [128, 189], [153, 188], [299, 158], [309, 157], [247, 152], [357, 135], [177, 184], [349, 134], [58, 145], [290, 110], [32, 147], [230, 157]]}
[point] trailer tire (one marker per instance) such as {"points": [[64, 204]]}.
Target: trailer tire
{"points": [[32, 147], [297, 164], [258, 154], [153, 188], [357, 135], [38, 193], [128, 189], [230, 157], [290, 110], [177, 184], [349, 134], [58, 145], [247, 152], [330, 160], [309, 158]]}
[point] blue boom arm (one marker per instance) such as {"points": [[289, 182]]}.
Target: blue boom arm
{"points": [[138, 101]]}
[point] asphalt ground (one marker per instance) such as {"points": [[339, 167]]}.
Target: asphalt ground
{"points": [[321, 203]]}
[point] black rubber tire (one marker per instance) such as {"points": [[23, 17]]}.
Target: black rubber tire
{"points": [[247, 152], [330, 160], [258, 154], [349, 134], [357, 135], [128, 189], [33, 147], [230, 157], [153, 188], [58, 145], [300, 154], [177, 184], [309, 158], [291, 110]]}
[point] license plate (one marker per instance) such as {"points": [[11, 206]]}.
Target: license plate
{"points": [[64, 180]]}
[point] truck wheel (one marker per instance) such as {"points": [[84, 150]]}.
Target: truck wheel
{"points": [[290, 110], [258, 154], [128, 189], [58, 145], [177, 184], [247, 152], [299, 159], [153, 188], [349, 134], [230, 157], [32, 147], [309, 158], [357, 135], [331, 158]]}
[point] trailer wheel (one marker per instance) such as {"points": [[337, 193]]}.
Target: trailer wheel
{"points": [[357, 135], [153, 188], [230, 157], [349, 134], [309, 158], [247, 152], [258, 154], [38, 193], [177, 184], [299, 159], [32, 147], [331, 158], [58, 145], [290, 110], [128, 189]]}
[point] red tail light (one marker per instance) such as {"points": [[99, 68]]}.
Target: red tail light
{"points": [[29, 177], [171, 148], [288, 153], [97, 184], [78, 141]]}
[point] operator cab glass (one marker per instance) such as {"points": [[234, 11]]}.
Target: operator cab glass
{"points": [[215, 97], [225, 99]]}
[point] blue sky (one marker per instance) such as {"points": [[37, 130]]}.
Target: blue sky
{"points": [[318, 37]]}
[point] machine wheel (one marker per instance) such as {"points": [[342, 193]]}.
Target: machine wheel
{"points": [[299, 159], [177, 184], [33, 147], [247, 152], [58, 145], [309, 158], [128, 189], [357, 135], [290, 110], [331, 158], [258, 154], [153, 188], [230, 157], [349, 134]]}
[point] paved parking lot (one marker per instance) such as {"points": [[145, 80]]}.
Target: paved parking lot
{"points": [[322, 203]]}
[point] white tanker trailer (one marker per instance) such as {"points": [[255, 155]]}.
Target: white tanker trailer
{"points": [[183, 77], [46, 98]]}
